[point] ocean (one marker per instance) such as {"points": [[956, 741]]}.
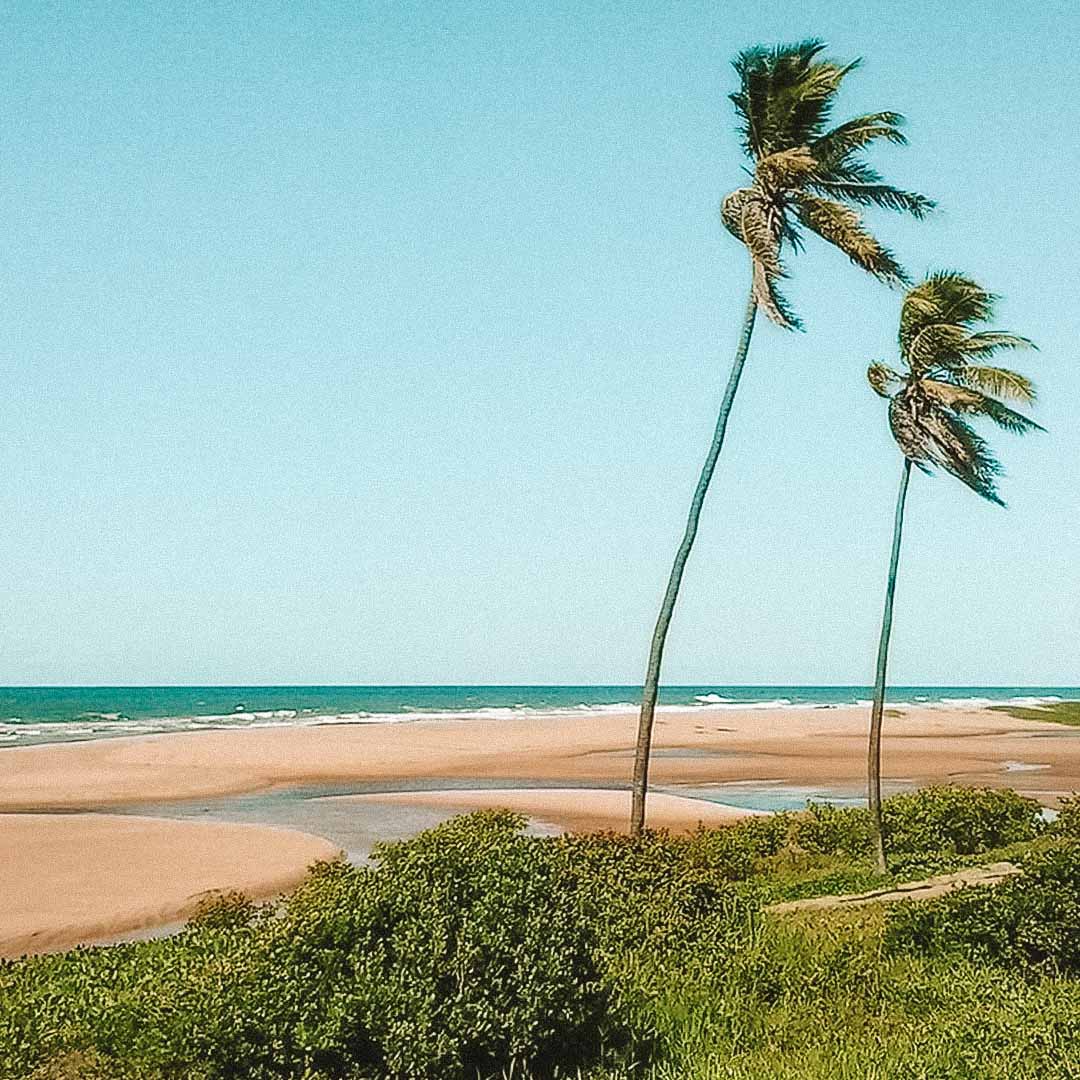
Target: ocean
{"points": [[47, 714]]}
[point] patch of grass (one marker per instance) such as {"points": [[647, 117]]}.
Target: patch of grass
{"points": [[818, 999], [1054, 712]]}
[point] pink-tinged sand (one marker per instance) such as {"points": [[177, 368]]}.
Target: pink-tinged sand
{"points": [[574, 809], [73, 878], [801, 746]]}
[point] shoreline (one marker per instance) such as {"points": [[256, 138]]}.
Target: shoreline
{"points": [[77, 873], [68, 732], [800, 746]]}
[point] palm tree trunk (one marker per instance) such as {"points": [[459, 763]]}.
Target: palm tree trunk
{"points": [[656, 652], [878, 708]]}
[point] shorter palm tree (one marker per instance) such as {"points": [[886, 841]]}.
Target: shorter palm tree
{"points": [[945, 381]]}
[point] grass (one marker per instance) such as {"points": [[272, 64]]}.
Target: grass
{"points": [[1055, 712]]}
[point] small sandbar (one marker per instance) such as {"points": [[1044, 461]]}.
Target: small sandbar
{"points": [[573, 809], [74, 878]]}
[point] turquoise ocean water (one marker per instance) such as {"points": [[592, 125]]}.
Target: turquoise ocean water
{"points": [[30, 715]]}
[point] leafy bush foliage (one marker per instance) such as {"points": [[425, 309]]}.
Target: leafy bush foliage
{"points": [[1031, 921], [1068, 819], [958, 821], [223, 911], [463, 954], [473, 951]]}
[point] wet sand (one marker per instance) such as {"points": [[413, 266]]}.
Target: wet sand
{"points": [[698, 746]]}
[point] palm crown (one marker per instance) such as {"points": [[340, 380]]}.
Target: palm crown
{"points": [[807, 175], [945, 380]]}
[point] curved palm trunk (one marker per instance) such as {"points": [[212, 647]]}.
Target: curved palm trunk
{"points": [[656, 652], [874, 754]]}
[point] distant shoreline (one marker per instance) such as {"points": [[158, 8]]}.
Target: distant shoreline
{"points": [[43, 715]]}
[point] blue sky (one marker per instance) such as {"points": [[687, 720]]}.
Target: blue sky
{"points": [[381, 342]]}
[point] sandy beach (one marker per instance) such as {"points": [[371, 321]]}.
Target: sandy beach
{"points": [[76, 877], [571, 809], [73, 878]]}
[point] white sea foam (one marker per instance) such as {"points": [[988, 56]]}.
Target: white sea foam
{"points": [[984, 702], [17, 730], [729, 705]]}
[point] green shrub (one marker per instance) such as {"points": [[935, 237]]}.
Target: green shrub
{"points": [[1068, 819], [465, 953], [223, 911], [948, 821], [653, 896], [824, 829], [1031, 921]]}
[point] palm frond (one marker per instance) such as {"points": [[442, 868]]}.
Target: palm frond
{"points": [[857, 133], [984, 344], [937, 346], [786, 170], [784, 96], [944, 439], [800, 114], [760, 228], [731, 211], [964, 453], [883, 380], [842, 227], [907, 432], [884, 196], [964, 399], [943, 298], [769, 298], [1007, 418], [848, 177], [936, 317], [1001, 382]]}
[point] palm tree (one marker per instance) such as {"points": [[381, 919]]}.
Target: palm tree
{"points": [[805, 176], [944, 380]]}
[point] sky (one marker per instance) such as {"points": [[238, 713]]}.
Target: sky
{"points": [[381, 342]]}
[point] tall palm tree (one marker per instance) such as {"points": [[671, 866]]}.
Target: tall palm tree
{"points": [[805, 176], [944, 382]]}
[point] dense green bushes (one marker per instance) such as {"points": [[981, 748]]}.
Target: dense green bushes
{"points": [[948, 821], [465, 953], [1068, 821], [473, 950], [1031, 921]]}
